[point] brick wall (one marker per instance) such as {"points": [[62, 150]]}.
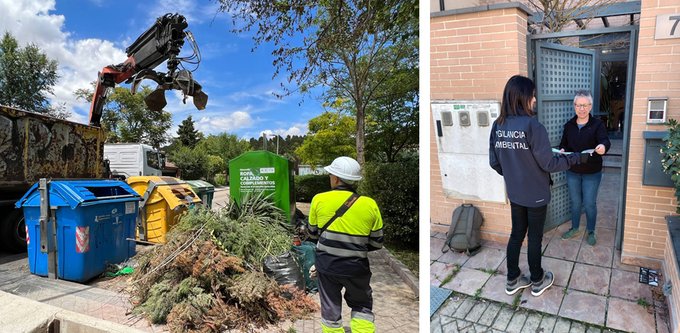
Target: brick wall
{"points": [[657, 74], [472, 55]]}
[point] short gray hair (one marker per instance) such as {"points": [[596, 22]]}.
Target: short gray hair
{"points": [[583, 93]]}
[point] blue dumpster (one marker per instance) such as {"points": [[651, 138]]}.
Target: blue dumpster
{"points": [[95, 226]]}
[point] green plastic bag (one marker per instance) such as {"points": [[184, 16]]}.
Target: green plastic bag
{"points": [[306, 255]]}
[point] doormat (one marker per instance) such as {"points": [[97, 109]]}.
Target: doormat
{"points": [[649, 276], [437, 298]]}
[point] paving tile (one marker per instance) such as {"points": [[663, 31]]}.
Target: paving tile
{"points": [[585, 307], [517, 322], [453, 257], [589, 278], [435, 248], [532, 322], [495, 245], [629, 316], [476, 311], [593, 329], [489, 314], [487, 258], [626, 285], [494, 289], [436, 234], [439, 271], [561, 269], [605, 236], [465, 326], [450, 306], [523, 265], [596, 255], [577, 328], [503, 318], [547, 324], [562, 325], [548, 302], [563, 249], [467, 281], [450, 327], [662, 323], [464, 308]]}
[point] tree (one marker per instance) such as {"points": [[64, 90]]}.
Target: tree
{"points": [[322, 42], [127, 119], [188, 136], [27, 76], [330, 135], [558, 14], [225, 146], [192, 162]]}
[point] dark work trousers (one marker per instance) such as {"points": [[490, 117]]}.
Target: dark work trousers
{"points": [[533, 219], [358, 295]]}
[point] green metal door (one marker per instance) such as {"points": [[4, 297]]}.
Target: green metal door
{"points": [[560, 72]]}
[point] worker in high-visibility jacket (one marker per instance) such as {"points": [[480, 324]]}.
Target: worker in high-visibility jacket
{"points": [[342, 249]]}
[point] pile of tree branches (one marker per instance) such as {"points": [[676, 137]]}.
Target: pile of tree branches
{"points": [[208, 276]]}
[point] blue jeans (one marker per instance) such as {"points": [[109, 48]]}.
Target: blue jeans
{"points": [[526, 221], [583, 195]]}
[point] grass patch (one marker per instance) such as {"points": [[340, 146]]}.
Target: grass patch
{"points": [[516, 300], [478, 294], [493, 272], [407, 256], [643, 303], [449, 277]]}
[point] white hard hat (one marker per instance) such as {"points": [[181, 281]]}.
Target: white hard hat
{"points": [[345, 168]]}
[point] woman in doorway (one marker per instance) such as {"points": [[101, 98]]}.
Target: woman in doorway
{"points": [[584, 132], [519, 150]]}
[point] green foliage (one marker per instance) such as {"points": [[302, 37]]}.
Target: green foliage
{"points": [[192, 162], [671, 157], [225, 146], [126, 118], [394, 186], [330, 135], [187, 135], [27, 76], [307, 186], [220, 179], [339, 45]]}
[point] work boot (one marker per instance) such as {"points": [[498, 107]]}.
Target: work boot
{"points": [[537, 288], [521, 282], [591, 239], [570, 233]]}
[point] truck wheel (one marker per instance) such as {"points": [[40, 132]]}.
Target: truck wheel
{"points": [[13, 231]]}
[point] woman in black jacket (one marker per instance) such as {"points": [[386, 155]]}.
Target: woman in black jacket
{"points": [[519, 150], [584, 132]]}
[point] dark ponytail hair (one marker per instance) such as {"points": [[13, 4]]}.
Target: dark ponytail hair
{"points": [[517, 95]]}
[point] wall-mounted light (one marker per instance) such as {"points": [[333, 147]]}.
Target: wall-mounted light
{"points": [[656, 110]]}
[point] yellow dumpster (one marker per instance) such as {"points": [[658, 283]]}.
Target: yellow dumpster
{"points": [[163, 200]]}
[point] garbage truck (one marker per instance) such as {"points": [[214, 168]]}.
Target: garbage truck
{"points": [[34, 146], [126, 160]]}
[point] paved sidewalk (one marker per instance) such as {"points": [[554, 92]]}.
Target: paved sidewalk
{"points": [[593, 290]]}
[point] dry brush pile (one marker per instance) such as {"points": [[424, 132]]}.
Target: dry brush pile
{"points": [[208, 276]]}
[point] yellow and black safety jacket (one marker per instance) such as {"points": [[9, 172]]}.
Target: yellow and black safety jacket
{"points": [[343, 247]]}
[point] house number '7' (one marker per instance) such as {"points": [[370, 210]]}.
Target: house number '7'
{"points": [[675, 25]]}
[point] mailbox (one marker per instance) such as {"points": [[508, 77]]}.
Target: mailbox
{"points": [[652, 170]]}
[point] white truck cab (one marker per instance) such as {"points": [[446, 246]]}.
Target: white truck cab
{"points": [[133, 159]]}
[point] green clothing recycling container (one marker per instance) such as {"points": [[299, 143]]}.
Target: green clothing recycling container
{"points": [[204, 190], [263, 172]]}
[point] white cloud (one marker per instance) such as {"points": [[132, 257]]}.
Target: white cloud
{"points": [[295, 129], [217, 123], [79, 60]]}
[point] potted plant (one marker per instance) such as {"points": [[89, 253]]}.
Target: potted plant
{"points": [[670, 159]]}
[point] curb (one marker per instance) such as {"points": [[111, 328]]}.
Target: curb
{"points": [[404, 273]]}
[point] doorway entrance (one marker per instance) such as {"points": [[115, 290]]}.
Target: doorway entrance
{"points": [[602, 62]]}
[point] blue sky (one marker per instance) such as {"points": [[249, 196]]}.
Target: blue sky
{"points": [[86, 35]]}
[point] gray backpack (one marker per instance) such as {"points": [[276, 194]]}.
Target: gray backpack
{"points": [[463, 234]]}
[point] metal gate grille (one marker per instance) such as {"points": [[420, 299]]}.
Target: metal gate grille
{"points": [[560, 71]]}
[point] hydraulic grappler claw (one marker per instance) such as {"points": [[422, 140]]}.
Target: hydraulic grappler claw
{"points": [[162, 42]]}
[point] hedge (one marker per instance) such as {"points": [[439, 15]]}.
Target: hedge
{"points": [[307, 186], [394, 186]]}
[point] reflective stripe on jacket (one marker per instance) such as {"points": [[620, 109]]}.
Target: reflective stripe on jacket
{"points": [[343, 248]]}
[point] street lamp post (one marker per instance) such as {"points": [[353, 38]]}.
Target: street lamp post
{"points": [[265, 141]]}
